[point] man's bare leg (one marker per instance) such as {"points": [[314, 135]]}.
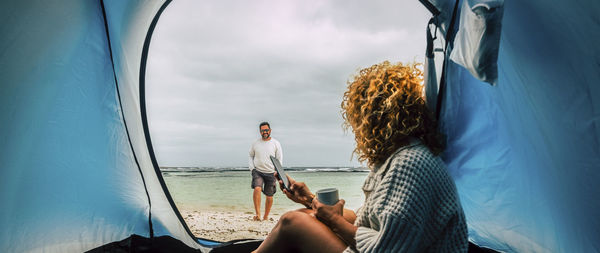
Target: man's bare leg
{"points": [[268, 205], [297, 231], [256, 198]]}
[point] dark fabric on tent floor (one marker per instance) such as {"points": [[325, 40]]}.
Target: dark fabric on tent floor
{"points": [[140, 244], [476, 249], [241, 246], [167, 244]]}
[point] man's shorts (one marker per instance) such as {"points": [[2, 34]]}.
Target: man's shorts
{"points": [[266, 181]]}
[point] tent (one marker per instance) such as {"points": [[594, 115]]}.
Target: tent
{"points": [[79, 172], [79, 169], [524, 149]]}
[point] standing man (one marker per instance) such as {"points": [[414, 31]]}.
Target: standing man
{"points": [[263, 171]]}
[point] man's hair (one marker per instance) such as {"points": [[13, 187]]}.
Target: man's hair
{"points": [[264, 124], [384, 106]]}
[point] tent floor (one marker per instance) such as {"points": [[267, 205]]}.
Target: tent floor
{"points": [[167, 244], [136, 243]]}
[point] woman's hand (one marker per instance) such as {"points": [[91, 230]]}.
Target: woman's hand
{"points": [[329, 214], [333, 217], [300, 192]]}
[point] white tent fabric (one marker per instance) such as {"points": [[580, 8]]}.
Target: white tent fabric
{"points": [[77, 172], [478, 38], [128, 23]]}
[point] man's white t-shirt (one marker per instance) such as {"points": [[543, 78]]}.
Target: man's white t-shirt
{"points": [[260, 153]]}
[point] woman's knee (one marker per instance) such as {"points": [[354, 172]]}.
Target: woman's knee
{"points": [[306, 210], [293, 221]]}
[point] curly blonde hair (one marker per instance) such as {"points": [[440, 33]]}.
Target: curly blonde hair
{"points": [[384, 106]]}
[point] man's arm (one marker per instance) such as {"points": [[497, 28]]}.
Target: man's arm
{"points": [[278, 152], [251, 158]]}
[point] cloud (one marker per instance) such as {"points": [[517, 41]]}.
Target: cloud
{"points": [[218, 68]]}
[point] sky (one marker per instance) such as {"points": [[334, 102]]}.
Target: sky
{"points": [[216, 69]]}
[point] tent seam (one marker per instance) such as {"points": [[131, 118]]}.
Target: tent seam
{"points": [[142, 83], [151, 232]]}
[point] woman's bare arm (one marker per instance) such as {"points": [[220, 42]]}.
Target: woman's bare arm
{"points": [[349, 215], [337, 219]]}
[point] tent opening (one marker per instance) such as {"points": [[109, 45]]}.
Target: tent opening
{"points": [[215, 71]]}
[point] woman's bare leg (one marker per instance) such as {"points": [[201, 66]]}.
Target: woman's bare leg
{"points": [[298, 231]]}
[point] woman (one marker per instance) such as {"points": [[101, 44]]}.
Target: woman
{"points": [[411, 202]]}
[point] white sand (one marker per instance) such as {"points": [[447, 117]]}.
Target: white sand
{"points": [[228, 225]]}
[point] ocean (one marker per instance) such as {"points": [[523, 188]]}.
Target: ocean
{"points": [[228, 189]]}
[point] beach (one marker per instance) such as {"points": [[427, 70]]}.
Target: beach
{"points": [[228, 225], [217, 204]]}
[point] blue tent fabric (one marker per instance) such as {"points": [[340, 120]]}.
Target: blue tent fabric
{"points": [[526, 153], [73, 177], [60, 120]]}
